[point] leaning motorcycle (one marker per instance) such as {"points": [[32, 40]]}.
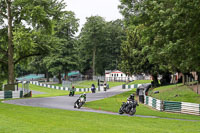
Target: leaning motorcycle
{"points": [[128, 107], [79, 103]]}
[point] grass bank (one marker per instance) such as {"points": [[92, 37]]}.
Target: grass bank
{"points": [[140, 82], [48, 92], [24, 119], [113, 104], [176, 93], [88, 84]]}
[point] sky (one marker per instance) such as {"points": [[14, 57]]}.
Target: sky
{"points": [[107, 9]]}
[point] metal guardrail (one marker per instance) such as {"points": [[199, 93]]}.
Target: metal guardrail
{"points": [[64, 88], [171, 106], [11, 94], [130, 86]]}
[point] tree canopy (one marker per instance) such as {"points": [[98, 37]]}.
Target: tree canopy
{"points": [[169, 33], [30, 28]]}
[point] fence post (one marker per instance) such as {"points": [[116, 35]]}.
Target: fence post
{"points": [[162, 105]]}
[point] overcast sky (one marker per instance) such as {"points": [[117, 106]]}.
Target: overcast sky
{"points": [[107, 9]]}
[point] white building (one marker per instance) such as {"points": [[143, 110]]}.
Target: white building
{"points": [[117, 75]]}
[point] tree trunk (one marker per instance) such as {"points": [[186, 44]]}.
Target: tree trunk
{"points": [[93, 61], [47, 76], [10, 46], [59, 77], [155, 81], [198, 76], [66, 76], [183, 79]]}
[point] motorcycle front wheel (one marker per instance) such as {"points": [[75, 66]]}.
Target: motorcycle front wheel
{"points": [[120, 111]]}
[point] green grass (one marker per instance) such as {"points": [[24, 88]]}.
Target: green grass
{"points": [[176, 93], [88, 84], [49, 92], [140, 82], [113, 104], [24, 119]]}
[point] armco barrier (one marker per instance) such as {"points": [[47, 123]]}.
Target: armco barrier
{"points": [[170, 106], [11, 94], [130, 86], [61, 88], [191, 108]]}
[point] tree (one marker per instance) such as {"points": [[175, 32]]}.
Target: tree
{"points": [[99, 44], [115, 35], [25, 19], [63, 57], [134, 55], [92, 39], [170, 32]]}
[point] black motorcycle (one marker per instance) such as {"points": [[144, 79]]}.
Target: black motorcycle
{"points": [[93, 89], [71, 93], [128, 107], [79, 103]]}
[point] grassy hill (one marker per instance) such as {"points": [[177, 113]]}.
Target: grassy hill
{"points": [[178, 92]]}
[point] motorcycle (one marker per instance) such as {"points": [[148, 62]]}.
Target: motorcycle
{"points": [[128, 107], [93, 89], [79, 103], [71, 93], [105, 87]]}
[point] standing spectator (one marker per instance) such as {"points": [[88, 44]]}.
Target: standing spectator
{"points": [[93, 88], [105, 86]]}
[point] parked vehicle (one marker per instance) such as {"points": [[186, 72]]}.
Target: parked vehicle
{"points": [[128, 107]]}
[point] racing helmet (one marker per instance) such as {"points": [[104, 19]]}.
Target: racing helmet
{"points": [[132, 96]]}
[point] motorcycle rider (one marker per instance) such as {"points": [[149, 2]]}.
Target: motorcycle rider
{"points": [[131, 98], [130, 101], [82, 95], [93, 88], [72, 91]]}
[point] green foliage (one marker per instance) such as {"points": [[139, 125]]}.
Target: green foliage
{"points": [[169, 34], [99, 44], [37, 28], [140, 82]]}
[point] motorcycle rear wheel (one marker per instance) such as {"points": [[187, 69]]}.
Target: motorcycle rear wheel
{"points": [[132, 112], [79, 105]]}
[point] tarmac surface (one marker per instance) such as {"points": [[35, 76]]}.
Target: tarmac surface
{"points": [[67, 103]]}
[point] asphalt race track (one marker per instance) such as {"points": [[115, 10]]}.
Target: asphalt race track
{"points": [[66, 102]]}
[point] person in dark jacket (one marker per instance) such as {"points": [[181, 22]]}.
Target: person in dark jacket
{"points": [[93, 88]]}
